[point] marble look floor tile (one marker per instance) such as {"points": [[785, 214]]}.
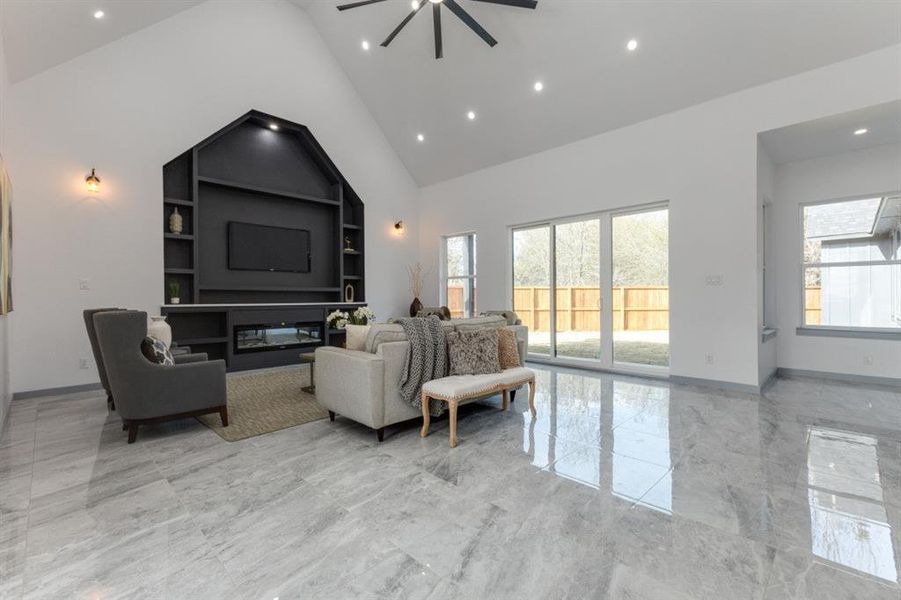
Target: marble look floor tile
{"points": [[619, 488]]}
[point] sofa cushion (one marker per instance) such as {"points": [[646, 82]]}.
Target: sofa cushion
{"points": [[355, 336], [156, 351], [382, 333], [473, 352], [507, 351], [466, 386], [494, 322]]}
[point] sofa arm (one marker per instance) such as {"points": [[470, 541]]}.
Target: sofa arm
{"points": [[351, 383]]}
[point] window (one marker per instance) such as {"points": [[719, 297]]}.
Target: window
{"points": [[595, 289], [850, 264], [460, 275]]}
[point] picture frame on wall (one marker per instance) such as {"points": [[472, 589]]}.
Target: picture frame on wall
{"points": [[6, 234]]}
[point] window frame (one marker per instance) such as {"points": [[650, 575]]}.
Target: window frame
{"points": [[472, 269], [837, 330]]}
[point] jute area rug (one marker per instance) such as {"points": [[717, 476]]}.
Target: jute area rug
{"points": [[261, 403]]}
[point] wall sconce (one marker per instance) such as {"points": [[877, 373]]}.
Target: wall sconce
{"points": [[93, 182], [399, 227]]}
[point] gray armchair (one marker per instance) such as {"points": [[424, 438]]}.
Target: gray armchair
{"points": [[184, 357], [147, 392]]}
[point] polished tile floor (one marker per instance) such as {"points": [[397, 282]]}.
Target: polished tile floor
{"points": [[620, 488]]}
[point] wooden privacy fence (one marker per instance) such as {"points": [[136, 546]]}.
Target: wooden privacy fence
{"points": [[635, 308], [813, 306]]}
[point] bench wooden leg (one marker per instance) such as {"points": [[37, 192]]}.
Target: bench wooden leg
{"points": [[452, 409], [505, 403], [532, 397], [425, 415]]}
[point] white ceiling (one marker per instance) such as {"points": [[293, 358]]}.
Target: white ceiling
{"points": [[835, 134], [690, 51], [39, 34]]}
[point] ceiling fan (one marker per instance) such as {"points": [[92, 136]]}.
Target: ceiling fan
{"points": [[451, 5]]}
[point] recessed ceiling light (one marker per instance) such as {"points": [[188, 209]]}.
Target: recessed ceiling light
{"points": [[273, 126], [364, 45], [414, 4], [631, 45], [471, 115], [436, 1], [861, 131], [420, 137], [538, 86], [99, 14]]}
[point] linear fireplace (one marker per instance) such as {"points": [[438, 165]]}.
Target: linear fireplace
{"points": [[277, 336]]}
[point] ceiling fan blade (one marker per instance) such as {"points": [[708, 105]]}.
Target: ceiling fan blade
{"points": [[403, 24], [436, 18], [356, 4], [516, 3], [470, 22]]}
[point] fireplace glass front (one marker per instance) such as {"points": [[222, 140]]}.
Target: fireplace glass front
{"points": [[260, 338]]}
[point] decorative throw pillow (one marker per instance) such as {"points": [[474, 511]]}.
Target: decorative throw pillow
{"points": [[507, 353], [156, 351], [473, 352], [356, 336]]}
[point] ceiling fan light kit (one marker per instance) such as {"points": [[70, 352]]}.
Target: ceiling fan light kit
{"points": [[451, 5]]}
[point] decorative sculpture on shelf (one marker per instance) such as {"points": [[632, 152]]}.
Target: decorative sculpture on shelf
{"points": [[348, 244], [176, 223], [349, 293]]}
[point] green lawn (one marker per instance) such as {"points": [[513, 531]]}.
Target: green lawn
{"points": [[642, 353]]}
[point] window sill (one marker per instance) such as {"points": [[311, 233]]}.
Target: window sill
{"points": [[870, 334], [768, 333]]}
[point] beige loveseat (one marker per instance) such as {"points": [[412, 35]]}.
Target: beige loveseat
{"points": [[364, 385]]}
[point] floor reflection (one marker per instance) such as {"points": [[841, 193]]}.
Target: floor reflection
{"points": [[848, 522], [607, 434]]}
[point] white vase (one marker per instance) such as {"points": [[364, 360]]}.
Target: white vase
{"points": [[176, 222], [159, 329]]}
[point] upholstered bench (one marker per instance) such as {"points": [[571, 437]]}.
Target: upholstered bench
{"points": [[460, 389]]}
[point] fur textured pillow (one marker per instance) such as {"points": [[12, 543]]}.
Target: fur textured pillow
{"points": [[507, 353], [156, 351], [473, 352]]}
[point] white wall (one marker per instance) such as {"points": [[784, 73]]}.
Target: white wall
{"points": [[5, 386], [766, 280], [129, 107], [856, 173], [703, 161]]}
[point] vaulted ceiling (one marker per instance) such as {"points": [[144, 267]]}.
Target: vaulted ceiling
{"points": [[688, 51]]}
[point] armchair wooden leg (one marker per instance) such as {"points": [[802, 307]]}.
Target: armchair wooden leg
{"points": [[331, 415], [425, 416], [124, 426], [110, 401], [132, 432], [223, 414], [505, 403], [512, 395], [380, 433]]}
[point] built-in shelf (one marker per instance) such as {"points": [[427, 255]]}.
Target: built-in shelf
{"points": [[349, 226], [179, 271], [200, 341], [337, 331], [178, 236], [352, 253], [259, 288], [353, 277], [178, 201], [268, 191]]}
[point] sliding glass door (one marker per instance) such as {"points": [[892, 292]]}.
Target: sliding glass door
{"points": [[594, 290], [577, 267]]}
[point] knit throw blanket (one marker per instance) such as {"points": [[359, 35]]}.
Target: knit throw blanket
{"points": [[426, 360]]}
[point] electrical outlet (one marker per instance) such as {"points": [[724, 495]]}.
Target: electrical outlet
{"points": [[84, 363], [714, 280], [868, 359], [709, 359], [84, 284]]}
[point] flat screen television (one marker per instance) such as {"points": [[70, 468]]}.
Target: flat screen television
{"points": [[254, 247]]}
